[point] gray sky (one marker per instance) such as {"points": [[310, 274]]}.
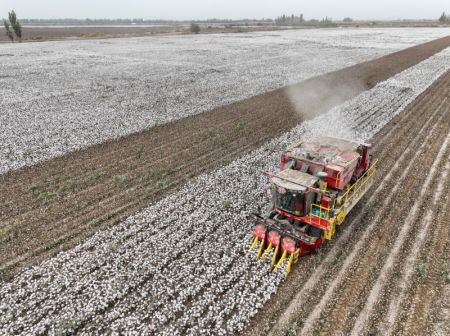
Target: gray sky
{"points": [[233, 9]]}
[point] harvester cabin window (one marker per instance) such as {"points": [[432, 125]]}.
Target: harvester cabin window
{"points": [[304, 167], [289, 201]]}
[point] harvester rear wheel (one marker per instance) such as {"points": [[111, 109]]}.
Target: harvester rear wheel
{"points": [[340, 217]]}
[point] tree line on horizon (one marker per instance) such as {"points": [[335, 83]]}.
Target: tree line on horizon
{"points": [[293, 20], [13, 27], [88, 21]]}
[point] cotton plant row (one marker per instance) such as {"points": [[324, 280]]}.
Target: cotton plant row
{"points": [[57, 97], [181, 266]]}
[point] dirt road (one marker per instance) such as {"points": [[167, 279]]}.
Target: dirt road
{"points": [[387, 268], [52, 206]]}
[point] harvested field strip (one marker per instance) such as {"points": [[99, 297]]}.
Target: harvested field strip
{"points": [[340, 308], [361, 243], [416, 317], [395, 300], [438, 316], [426, 193], [367, 265], [51, 206], [391, 141]]}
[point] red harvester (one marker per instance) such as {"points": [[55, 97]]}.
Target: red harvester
{"points": [[318, 184]]}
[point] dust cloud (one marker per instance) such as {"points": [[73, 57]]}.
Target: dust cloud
{"points": [[318, 95]]}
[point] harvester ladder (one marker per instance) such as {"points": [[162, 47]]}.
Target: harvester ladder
{"points": [[350, 198]]}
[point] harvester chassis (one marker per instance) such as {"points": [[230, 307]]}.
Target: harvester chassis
{"points": [[288, 230]]}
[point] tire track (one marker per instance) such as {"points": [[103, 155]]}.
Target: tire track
{"points": [[364, 315], [333, 255], [417, 319], [398, 296], [354, 285], [438, 319]]}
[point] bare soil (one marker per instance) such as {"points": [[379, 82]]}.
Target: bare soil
{"points": [[386, 272], [52, 206], [40, 34]]}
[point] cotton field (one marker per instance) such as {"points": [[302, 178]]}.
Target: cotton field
{"points": [[57, 97], [180, 266]]}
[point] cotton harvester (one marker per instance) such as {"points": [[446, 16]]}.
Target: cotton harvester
{"points": [[319, 182]]}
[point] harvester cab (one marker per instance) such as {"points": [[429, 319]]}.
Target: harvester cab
{"points": [[318, 183]]}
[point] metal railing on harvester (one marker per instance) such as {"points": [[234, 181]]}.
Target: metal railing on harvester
{"points": [[321, 215]]}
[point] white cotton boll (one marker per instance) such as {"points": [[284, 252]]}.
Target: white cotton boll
{"points": [[186, 262]]}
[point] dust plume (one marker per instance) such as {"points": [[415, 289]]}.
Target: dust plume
{"points": [[318, 95]]}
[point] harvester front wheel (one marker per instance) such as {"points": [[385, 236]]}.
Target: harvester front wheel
{"points": [[314, 232]]}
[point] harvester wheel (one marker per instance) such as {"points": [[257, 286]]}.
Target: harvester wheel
{"points": [[340, 217], [314, 232]]}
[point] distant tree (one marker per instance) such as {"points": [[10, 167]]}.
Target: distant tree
{"points": [[18, 30], [348, 19], [195, 28], [15, 25], [9, 33], [444, 18]]}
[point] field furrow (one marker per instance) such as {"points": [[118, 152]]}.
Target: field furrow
{"points": [[311, 309]]}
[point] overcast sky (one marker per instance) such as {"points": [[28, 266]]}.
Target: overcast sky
{"points": [[233, 9]]}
